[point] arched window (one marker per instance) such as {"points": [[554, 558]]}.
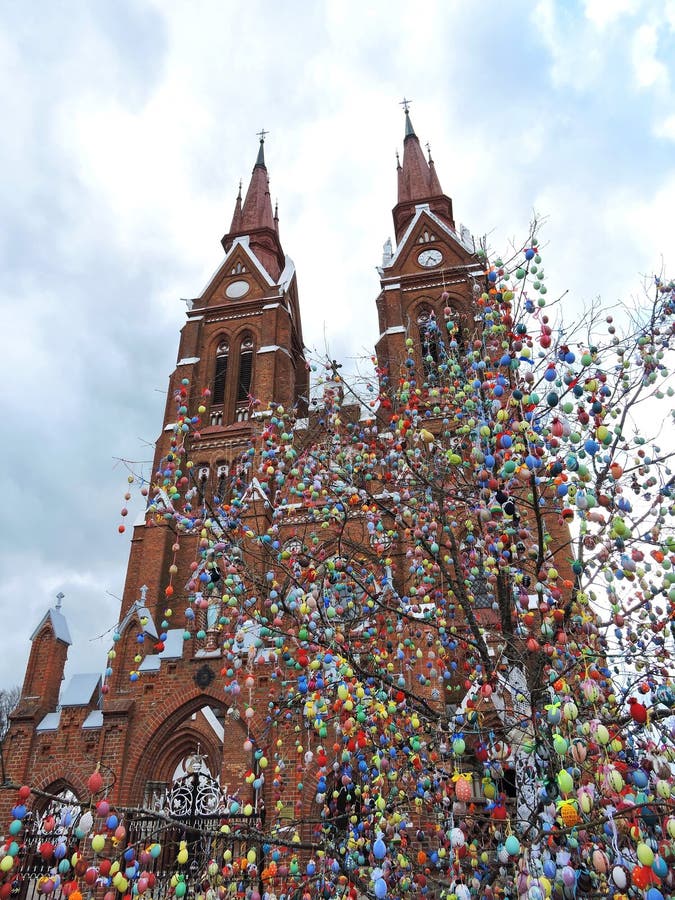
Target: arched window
{"points": [[54, 820], [453, 312], [202, 479], [222, 476], [222, 353], [59, 816], [245, 369], [430, 338], [339, 799]]}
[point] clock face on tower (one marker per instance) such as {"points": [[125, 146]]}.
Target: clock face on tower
{"points": [[430, 258]]}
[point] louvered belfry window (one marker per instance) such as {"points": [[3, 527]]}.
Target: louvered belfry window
{"points": [[221, 373], [245, 369]]}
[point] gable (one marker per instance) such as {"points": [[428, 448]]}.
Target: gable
{"points": [[142, 616], [56, 622], [429, 239], [240, 277]]}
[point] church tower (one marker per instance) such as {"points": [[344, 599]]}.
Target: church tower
{"points": [[243, 336], [159, 716], [430, 257], [241, 349]]}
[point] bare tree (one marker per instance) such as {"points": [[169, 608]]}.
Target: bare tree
{"points": [[463, 607], [9, 698]]}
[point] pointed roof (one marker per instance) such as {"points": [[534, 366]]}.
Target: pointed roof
{"points": [[140, 611], [415, 178], [236, 217], [418, 182], [399, 177], [434, 183], [58, 624], [254, 220], [260, 159], [257, 209]]}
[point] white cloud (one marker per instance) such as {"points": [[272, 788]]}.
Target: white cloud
{"points": [[669, 14], [665, 128], [605, 12], [646, 215], [591, 51], [576, 56], [126, 129], [649, 71]]}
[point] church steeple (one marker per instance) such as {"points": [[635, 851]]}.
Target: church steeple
{"points": [[241, 350], [257, 209], [251, 352], [417, 181], [429, 261], [254, 217]]}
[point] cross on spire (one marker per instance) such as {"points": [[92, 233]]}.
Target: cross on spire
{"points": [[59, 597], [409, 130], [260, 161]]}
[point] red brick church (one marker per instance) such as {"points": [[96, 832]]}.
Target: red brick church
{"points": [[158, 722]]}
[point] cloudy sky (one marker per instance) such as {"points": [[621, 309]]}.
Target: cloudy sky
{"points": [[126, 126]]}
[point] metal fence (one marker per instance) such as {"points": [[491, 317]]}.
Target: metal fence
{"points": [[203, 835]]}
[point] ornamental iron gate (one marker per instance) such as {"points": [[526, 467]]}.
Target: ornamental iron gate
{"points": [[193, 809]]}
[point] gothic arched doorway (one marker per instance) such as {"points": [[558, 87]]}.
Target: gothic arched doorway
{"points": [[193, 792]]}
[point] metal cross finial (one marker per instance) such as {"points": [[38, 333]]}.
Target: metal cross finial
{"points": [[405, 103], [59, 597], [428, 146], [262, 134]]}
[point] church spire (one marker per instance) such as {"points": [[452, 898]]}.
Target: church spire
{"points": [[415, 179], [236, 218], [418, 181], [434, 183], [254, 218], [257, 209], [260, 161]]}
